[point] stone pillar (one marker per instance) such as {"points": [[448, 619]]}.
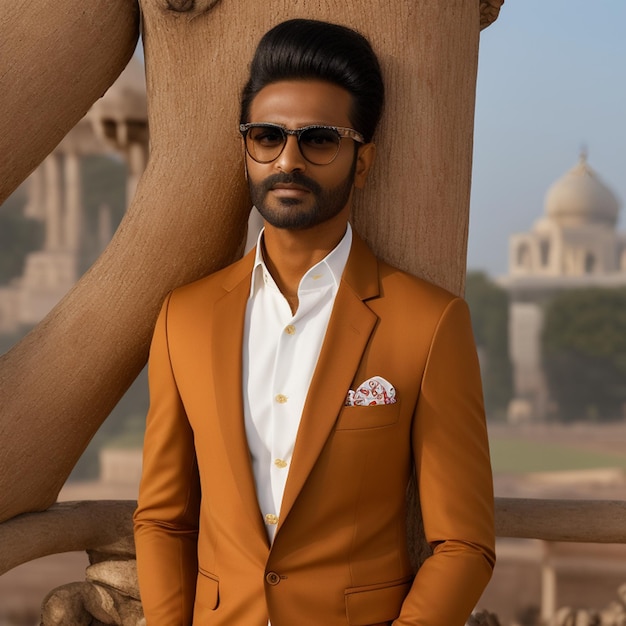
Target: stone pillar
{"points": [[36, 195], [73, 203], [53, 203], [548, 586]]}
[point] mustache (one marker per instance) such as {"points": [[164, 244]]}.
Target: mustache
{"points": [[293, 178]]}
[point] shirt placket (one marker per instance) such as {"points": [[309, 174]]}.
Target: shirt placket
{"points": [[285, 407]]}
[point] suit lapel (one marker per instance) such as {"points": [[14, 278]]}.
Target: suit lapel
{"points": [[228, 328], [349, 330]]}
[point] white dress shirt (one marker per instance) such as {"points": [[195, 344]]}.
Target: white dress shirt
{"points": [[280, 352]]}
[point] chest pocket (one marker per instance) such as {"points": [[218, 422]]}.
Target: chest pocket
{"points": [[359, 417]]}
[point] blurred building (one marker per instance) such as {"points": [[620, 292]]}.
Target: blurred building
{"points": [[115, 125], [574, 244]]}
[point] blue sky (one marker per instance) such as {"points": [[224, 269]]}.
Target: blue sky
{"points": [[552, 78]]}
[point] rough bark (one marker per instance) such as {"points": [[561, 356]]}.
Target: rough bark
{"points": [[99, 527]]}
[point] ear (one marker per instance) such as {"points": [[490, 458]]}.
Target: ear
{"points": [[364, 161]]}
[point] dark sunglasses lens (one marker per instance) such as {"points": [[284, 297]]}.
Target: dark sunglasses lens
{"points": [[319, 145], [265, 143]]}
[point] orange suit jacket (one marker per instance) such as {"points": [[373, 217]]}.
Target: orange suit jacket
{"points": [[339, 556]]}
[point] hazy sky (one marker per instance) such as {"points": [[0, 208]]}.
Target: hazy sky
{"points": [[552, 78]]}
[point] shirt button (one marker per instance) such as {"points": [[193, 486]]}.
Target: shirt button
{"points": [[281, 399], [272, 578], [280, 463], [290, 330], [271, 519]]}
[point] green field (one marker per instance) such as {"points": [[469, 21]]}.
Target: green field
{"points": [[519, 456]]}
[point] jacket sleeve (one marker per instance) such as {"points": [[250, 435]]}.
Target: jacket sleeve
{"points": [[451, 454], [166, 519]]}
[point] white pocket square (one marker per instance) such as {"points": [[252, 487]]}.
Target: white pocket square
{"points": [[373, 391]]}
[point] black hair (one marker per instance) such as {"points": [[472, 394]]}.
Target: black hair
{"points": [[311, 49]]}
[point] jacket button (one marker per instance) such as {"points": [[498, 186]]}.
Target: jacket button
{"points": [[272, 578]]}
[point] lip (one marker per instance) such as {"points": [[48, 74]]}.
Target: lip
{"points": [[289, 190]]}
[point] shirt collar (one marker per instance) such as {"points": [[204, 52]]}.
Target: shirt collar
{"points": [[327, 272]]}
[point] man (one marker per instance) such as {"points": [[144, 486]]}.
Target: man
{"points": [[294, 392]]}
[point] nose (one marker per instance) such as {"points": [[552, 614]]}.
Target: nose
{"points": [[291, 159]]}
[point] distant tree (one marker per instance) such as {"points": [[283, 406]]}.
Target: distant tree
{"points": [[489, 306], [18, 236], [584, 353]]}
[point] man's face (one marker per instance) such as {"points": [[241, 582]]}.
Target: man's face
{"points": [[291, 192]]}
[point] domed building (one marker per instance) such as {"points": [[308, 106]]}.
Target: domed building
{"points": [[574, 244]]}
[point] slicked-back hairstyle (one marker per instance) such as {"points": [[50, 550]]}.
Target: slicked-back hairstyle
{"points": [[310, 49]]}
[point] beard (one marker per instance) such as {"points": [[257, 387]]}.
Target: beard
{"points": [[295, 213]]}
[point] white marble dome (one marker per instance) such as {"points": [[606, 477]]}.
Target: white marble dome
{"points": [[579, 197]]}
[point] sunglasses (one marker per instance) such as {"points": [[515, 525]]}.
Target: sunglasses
{"points": [[319, 145]]}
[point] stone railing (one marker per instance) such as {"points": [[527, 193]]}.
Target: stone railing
{"points": [[110, 593]]}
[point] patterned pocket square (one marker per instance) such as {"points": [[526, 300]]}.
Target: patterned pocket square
{"points": [[373, 391]]}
